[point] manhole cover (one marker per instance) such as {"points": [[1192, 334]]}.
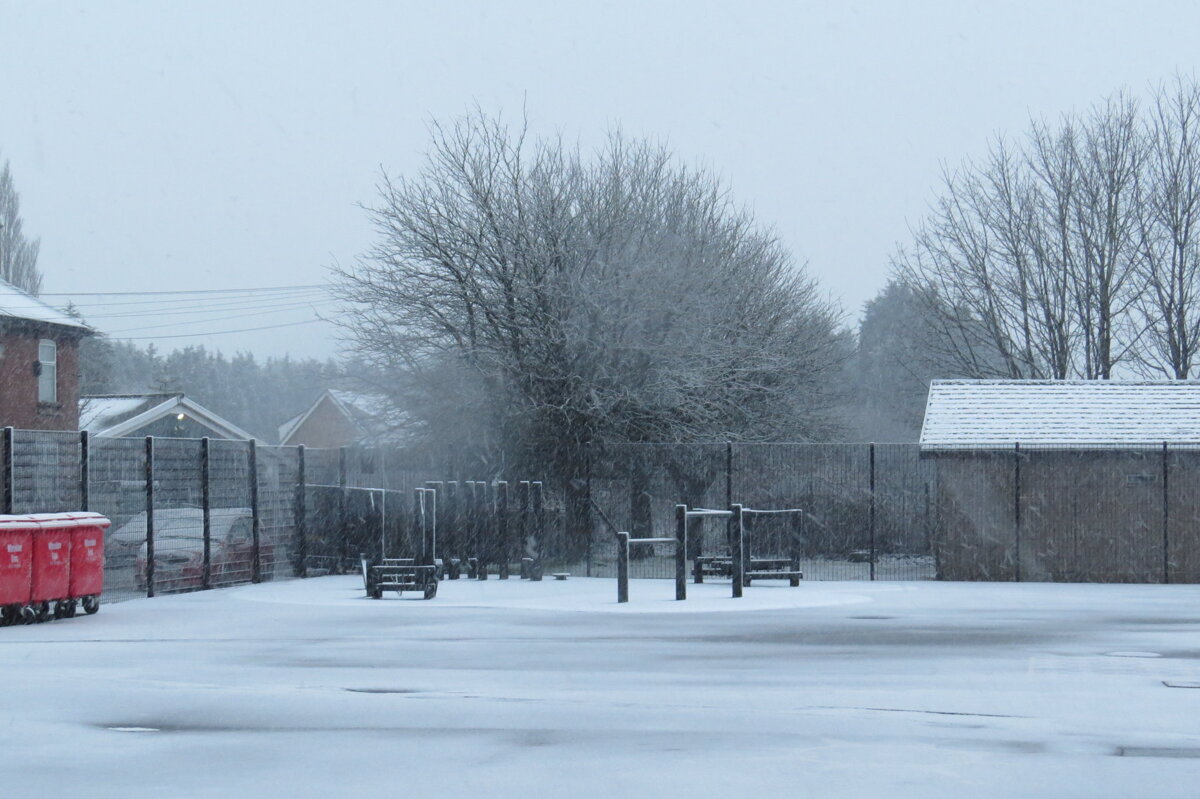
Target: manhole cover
{"points": [[1180, 684], [1134, 655], [134, 729]]}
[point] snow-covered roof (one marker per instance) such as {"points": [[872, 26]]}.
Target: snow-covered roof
{"points": [[988, 414], [18, 304], [115, 415]]}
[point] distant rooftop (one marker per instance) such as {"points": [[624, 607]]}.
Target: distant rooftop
{"points": [[989, 414], [18, 304], [114, 415]]}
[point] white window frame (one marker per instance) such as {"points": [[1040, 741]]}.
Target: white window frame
{"points": [[47, 370]]}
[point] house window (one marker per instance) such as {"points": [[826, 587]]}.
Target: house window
{"points": [[47, 371]]}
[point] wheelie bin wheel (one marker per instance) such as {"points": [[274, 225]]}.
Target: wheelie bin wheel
{"points": [[42, 611], [91, 604], [28, 614], [431, 589]]}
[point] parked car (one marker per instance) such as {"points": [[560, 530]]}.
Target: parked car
{"points": [[125, 539], [179, 548]]}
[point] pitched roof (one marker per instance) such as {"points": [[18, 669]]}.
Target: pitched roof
{"points": [[371, 414], [115, 415], [23, 306], [987, 414]]}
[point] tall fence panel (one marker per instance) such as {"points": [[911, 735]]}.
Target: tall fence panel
{"points": [[231, 515], [635, 488], [1091, 515], [831, 483], [278, 471], [45, 468], [178, 515], [117, 489], [905, 489]]}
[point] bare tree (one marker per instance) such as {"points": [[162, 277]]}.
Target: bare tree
{"points": [[1029, 264], [620, 297], [1169, 225], [18, 255], [1108, 199]]}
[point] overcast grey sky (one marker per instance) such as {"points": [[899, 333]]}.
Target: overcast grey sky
{"points": [[198, 145]]}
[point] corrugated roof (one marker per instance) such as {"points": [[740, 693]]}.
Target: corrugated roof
{"points": [[988, 414], [17, 304]]}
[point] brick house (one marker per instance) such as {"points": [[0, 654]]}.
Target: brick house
{"points": [[39, 363], [342, 418]]}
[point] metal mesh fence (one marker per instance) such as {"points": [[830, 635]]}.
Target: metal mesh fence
{"points": [[117, 489], [46, 471], [882, 512], [635, 488], [231, 514], [178, 517], [278, 476]]}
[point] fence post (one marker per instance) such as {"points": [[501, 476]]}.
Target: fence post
{"points": [[528, 552], [300, 516], [622, 567], [1166, 503], [451, 531], [149, 516], [429, 542], [539, 527], [439, 502], [206, 510], [680, 552], [728, 473], [479, 491], [343, 505], [736, 550], [85, 472], [9, 493], [431, 522], [502, 534], [872, 519], [255, 516], [1017, 506], [589, 520]]}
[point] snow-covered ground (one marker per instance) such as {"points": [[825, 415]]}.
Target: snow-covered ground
{"points": [[307, 689]]}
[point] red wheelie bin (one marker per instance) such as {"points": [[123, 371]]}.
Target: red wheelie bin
{"points": [[87, 561], [51, 584], [16, 569]]}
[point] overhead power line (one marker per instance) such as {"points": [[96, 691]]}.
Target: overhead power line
{"points": [[215, 308], [196, 301], [184, 291], [220, 332], [177, 323]]}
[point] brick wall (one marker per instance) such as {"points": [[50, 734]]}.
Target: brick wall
{"points": [[326, 426], [19, 406]]}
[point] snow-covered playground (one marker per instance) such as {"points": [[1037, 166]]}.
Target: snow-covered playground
{"points": [[306, 688]]}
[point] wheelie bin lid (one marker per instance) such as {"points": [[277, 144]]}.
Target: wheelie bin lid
{"points": [[66, 521], [89, 518], [10, 522]]}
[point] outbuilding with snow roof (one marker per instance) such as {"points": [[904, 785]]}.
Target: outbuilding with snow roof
{"points": [[172, 415], [1066, 480]]}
